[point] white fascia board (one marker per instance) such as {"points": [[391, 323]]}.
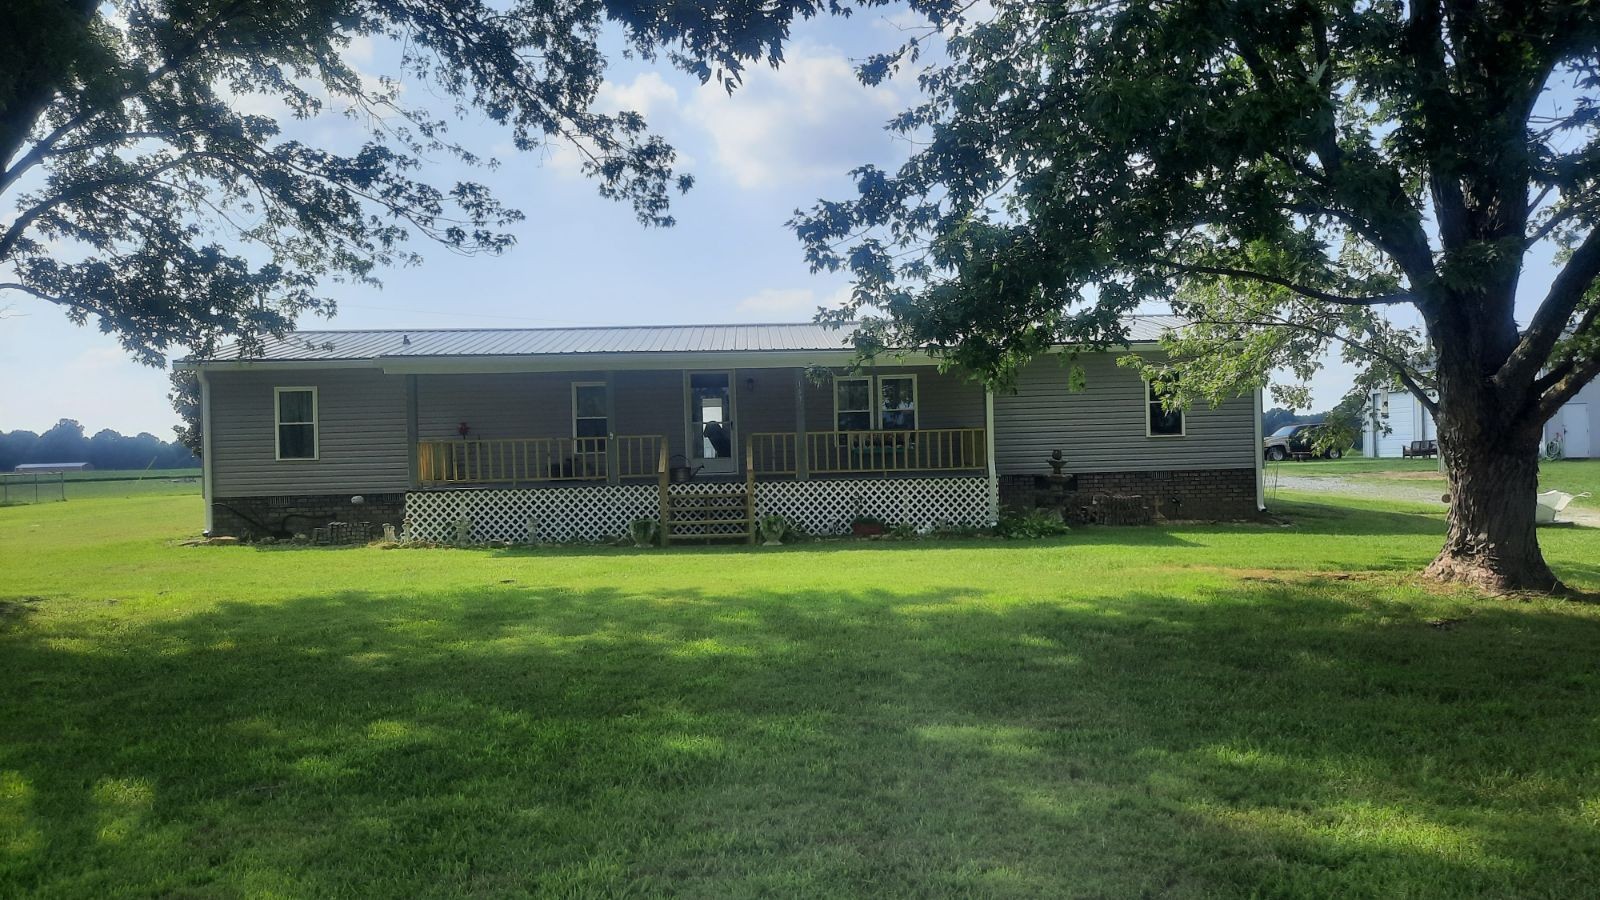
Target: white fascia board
{"points": [[591, 362], [274, 365], [1136, 346]]}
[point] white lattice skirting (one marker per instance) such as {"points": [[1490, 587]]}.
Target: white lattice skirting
{"points": [[601, 512], [826, 507], [589, 513]]}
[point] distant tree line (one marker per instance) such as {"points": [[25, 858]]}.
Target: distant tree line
{"points": [[107, 449], [1277, 417]]}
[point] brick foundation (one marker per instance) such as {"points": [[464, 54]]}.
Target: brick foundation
{"points": [[287, 516], [1209, 494]]}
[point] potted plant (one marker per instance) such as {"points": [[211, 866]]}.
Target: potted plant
{"points": [[773, 530], [867, 526], [644, 532]]}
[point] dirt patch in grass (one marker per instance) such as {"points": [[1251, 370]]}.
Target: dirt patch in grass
{"points": [[1288, 576]]}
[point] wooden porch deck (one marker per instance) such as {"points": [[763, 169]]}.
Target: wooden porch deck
{"points": [[728, 513]]}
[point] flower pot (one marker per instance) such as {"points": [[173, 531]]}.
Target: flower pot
{"points": [[772, 530], [866, 529]]}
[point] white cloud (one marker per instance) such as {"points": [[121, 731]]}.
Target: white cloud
{"points": [[788, 304], [360, 52], [809, 119], [562, 157], [902, 21], [647, 93]]}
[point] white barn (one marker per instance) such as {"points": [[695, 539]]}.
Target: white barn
{"points": [[1575, 425]]}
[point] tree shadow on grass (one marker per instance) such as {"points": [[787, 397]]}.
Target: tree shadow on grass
{"points": [[1266, 737], [1306, 517]]}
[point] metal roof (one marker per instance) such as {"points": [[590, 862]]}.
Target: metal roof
{"points": [[51, 468], [399, 343]]}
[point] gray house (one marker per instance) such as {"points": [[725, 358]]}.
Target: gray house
{"points": [[574, 433]]}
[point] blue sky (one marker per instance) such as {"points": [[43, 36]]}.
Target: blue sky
{"points": [[784, 140]]}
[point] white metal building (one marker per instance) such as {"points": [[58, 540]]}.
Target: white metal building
{"points": [[1575, 426]]}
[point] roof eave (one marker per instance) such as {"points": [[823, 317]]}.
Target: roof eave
{"points": [[579, 362]]}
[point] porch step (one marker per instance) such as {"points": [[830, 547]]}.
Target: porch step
{"points": [[721, 536], [721, 509]]}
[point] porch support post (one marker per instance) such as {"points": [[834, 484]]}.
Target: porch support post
{"points": [[802, 450], [413, 475], [613, 452], [988, 453], [1261, 462], [208, 463]]}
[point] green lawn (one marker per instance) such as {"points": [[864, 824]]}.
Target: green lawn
{"points": [[1178, 712], [1574, 476], [1354, 464]]}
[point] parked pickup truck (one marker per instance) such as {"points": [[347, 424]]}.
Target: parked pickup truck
{"points": [[1296, 441]]}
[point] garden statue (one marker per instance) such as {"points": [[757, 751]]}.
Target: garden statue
{"points": [[1057, 460]]}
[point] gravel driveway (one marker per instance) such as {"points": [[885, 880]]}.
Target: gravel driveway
{"points": [[1396, 490]]}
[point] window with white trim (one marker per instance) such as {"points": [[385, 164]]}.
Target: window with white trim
{"points": [[1160, 421], [294, 417], [589, 418], [897, 402], [852, 403]]}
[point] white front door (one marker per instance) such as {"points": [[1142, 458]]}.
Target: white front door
{"points": [[709, 422], [1575, 418]]}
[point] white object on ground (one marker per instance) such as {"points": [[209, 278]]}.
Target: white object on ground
{"points": [[1551, 503]]}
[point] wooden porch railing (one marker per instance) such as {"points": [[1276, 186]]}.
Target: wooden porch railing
{"points": [[511, 460], [845, 452]]}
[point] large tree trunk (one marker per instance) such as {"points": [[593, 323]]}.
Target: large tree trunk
{"points": [[1492, 543]]}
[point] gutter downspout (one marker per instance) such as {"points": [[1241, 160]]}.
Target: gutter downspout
{"points": [[1261, 464], [988, 452], [206, 462]]}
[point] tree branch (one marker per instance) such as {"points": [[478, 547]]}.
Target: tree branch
{"points": [[1559, 217], [1566, 388], [1566, 292], [1307, 292], [13, 232], [1401, 370], [18, 286], [1585, 327], [175, 60]]}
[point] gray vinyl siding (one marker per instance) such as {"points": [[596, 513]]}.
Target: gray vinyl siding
{"points": [[498, 405], [361, 423], [650, 403], [1102, 428], [766, 400]]}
